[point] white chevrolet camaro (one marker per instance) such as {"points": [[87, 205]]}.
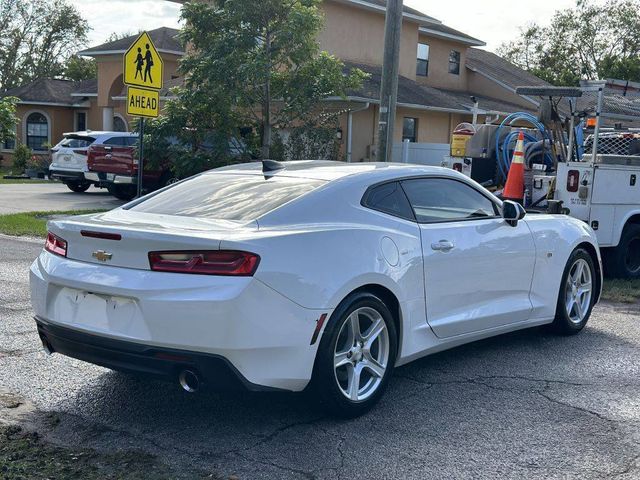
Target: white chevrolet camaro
{"points": [[324, 275]]}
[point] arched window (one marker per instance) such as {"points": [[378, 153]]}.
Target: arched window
{"points": [[119, 124], [37, 131]]}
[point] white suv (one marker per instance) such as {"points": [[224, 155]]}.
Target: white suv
{"points": [[69, 157]]}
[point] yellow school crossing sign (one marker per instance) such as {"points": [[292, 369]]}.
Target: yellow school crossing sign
{"points": [[143, 66], [143, 75]]}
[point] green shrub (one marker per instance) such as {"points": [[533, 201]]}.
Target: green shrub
{"points": [[21, 156]]}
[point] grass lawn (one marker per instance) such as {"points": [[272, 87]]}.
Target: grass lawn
{"points": [[33, 224], [621, 291]]}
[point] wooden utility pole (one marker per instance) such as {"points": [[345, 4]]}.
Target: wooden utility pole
{"points": [[389, 82]]}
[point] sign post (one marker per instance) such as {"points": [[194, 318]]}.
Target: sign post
{"points": [[143, 73]]}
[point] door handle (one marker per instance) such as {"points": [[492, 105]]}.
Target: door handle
{"points": [[442, 246]]}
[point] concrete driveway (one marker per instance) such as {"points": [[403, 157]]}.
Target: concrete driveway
{"points": [[524, 405], [16, 198]]}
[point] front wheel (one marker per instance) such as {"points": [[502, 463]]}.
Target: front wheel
{"points": [[78, 187], [577, 294], [356, 356]]}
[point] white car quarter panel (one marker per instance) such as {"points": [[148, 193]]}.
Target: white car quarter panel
{"points": [[555, 237]]}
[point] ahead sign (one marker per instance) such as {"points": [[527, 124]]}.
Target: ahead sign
{"points": [[143, 66], [142, 102]]}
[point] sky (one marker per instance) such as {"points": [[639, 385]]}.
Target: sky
{"points": [[493, 21]]}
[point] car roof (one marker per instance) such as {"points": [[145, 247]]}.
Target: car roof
{"points": [[100, 133], [330, 170]]}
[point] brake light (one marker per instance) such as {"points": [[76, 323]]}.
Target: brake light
{"points": [[216, 262], [81, 152], [457, 167], [55, 245], [573, 180], [103, 235]]}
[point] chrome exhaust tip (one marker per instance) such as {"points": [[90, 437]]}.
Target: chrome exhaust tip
{"points": [[189, 381]]}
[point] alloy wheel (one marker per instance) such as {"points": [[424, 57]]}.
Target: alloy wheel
{"points": [[361, 355], [579, 290]]}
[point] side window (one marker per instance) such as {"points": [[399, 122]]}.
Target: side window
{"points": [[389, 198], [454, 62], [131, 141], [442, 200]]}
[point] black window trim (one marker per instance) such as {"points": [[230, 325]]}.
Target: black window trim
{"points": [[495, 201]]}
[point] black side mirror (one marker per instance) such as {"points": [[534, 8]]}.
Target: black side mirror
{"points": [[512, 212]]}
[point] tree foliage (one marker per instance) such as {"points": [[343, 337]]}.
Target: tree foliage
{"points": [[253, 65], [36, 39], [8, 119], [590, 41], [80, 68]]}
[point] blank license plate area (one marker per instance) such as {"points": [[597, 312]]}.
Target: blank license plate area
{"points": [[110, 314]]}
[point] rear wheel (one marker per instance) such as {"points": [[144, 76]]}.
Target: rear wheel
{"points": [[78, 187], [122, 192], [577, 294], [356, 356], [624, 260]]}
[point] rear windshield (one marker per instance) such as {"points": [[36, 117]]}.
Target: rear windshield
{"points": [[77, 142], [227, 197]]}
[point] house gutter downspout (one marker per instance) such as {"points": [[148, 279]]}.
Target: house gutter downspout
{"points": [[350, 128]]}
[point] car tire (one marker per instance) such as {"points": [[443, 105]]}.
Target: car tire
{"points": [[578, 292], [122, 192], [624, 260], [78, 187], [365, 354]]}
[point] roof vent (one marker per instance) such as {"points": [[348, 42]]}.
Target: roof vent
{"points": [[272, 166]]}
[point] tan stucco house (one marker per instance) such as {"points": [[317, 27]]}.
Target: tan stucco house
{"points": [[441, 69]]}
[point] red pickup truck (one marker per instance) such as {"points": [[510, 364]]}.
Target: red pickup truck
{"points": [[115, 167]]}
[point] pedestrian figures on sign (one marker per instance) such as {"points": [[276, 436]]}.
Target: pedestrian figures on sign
{"points": [[139, 63], [148, 57], [147, 62]]}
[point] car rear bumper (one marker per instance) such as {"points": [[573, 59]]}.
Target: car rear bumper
{"points": [[67, 175], [265, 336], [214, 371], [106, 178]]}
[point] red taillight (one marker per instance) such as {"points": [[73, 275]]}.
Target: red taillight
{"points": [[216, 262], [457, 167], [55, 244], [81, 152], [573, 180]]}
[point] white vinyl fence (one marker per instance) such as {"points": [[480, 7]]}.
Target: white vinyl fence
{"points": [[434, 154]]}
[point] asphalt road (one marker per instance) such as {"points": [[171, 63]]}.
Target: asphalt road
{"points": [[524, 405], [16, 198]]}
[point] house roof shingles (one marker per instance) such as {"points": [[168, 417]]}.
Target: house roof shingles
{"points": [[414, 94], [501, 70], [165, 39], [52, 91]]}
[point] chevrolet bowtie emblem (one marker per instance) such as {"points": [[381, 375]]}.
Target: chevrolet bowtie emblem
{"points": [[102, 255]]}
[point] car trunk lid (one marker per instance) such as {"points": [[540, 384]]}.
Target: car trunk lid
{"points": [[122, 238]]}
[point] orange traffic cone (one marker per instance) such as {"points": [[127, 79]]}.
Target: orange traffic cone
{"points": [[514, 188]]}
